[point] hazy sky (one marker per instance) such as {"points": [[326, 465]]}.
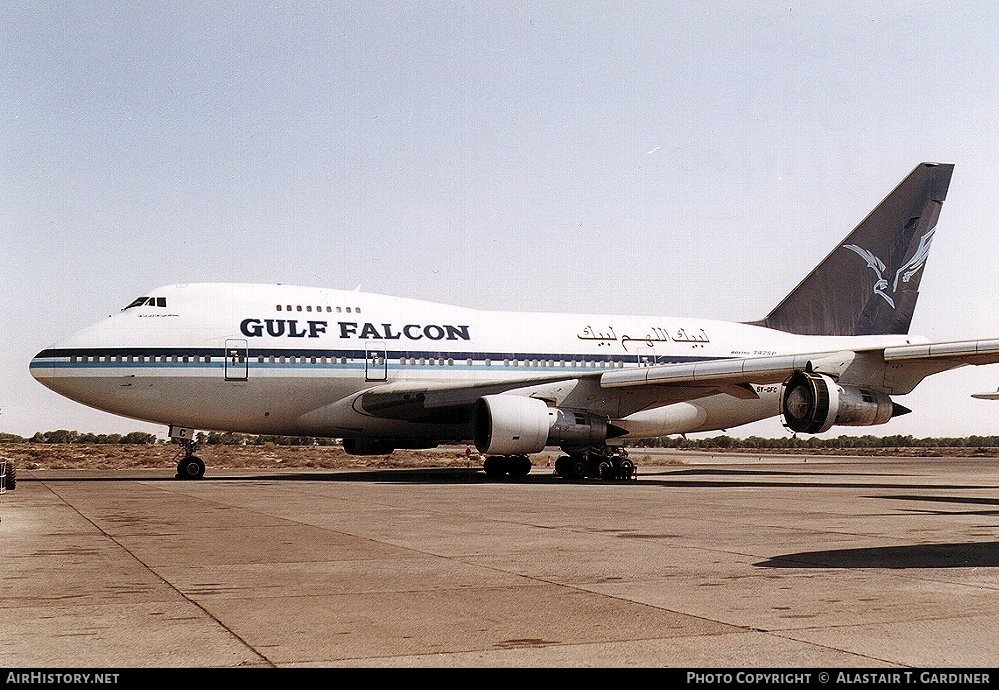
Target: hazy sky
{"points": [[688, 158]]}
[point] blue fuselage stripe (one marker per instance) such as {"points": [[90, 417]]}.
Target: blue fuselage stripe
{"points": [[262, 357]]}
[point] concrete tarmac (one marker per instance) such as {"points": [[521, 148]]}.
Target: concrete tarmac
{"points": [[722, 562]]}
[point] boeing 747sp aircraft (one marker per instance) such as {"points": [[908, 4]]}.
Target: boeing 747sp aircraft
{"points": [[384, 372]]}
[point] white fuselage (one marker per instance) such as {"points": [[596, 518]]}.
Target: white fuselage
{"points": [[276, 359]]}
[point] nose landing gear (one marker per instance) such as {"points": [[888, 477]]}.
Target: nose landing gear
{"points": [[189, 466]]}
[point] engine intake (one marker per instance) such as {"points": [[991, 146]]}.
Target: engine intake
{"points": [[519, 425], [813, 403]]}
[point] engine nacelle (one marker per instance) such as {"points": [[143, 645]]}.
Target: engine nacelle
{"points": [[574, 429], [519, 425], [813, 403], [511, 424]]}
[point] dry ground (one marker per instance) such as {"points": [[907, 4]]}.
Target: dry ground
{"points": [[129, 456], [165, 455]]}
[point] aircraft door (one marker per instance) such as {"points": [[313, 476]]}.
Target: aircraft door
{"points": [[236, 361], [646, 356], [376, 362]]}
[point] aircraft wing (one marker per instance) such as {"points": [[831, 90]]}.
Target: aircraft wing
{"points": [[894, 370], [615, 393]]}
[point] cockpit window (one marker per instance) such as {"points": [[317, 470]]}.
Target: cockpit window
{"points": [[148, 302]]}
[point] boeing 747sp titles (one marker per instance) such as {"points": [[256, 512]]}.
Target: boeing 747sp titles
{"points": [[385, 373]]}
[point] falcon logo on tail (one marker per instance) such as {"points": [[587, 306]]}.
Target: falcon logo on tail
{"points": [[904, 273]]}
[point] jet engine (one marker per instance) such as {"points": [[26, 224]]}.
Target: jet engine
{"points": [[519, 425], [812, 403]]}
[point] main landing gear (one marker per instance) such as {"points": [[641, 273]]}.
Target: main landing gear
{"points": [[499, 466], [598, 463]]}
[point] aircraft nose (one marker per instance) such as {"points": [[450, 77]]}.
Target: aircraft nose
{"points": [[41, 367]]}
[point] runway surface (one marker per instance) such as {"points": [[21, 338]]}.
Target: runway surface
{"points": [[721, 562]]}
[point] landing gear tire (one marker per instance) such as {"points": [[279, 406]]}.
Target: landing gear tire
{"points": [[10, 481], [494, 466], [626, 469], [572, 467], [520, 466], [498, 466], [190, 467], [562, 466]]}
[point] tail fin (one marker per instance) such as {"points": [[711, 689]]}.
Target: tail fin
{"points": [[869, 283]]}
